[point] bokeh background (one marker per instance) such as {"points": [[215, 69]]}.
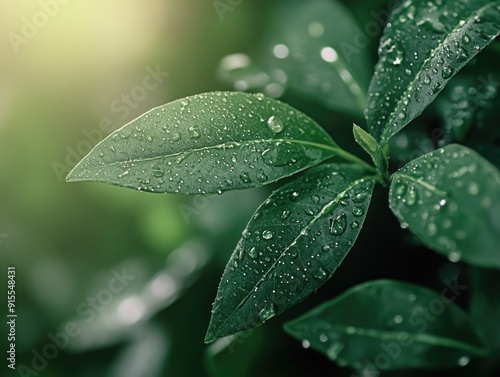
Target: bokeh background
{"points": [[69, 78]]}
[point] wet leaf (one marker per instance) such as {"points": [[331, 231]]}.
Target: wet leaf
{"points": [[291, 246], [311, 51], [208, 143], [370, 146], [469, 101], [450, 199], [386, 325], [423, 46]]}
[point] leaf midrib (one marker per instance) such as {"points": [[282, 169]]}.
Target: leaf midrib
{"points": [[424, 184], [333, 148], [302, 233], [411, 84]]}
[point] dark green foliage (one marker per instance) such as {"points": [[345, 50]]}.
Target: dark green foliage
{"points": [[449, 198]]}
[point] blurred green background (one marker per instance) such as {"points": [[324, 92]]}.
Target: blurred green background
{"points": [[69, 78]]}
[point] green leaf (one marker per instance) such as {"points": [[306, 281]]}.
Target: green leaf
{"points": [[309, 52], [423, 46], [370, 146], [291, 246], [470, 103], [208, 143], [388, 325], [450, 199]]}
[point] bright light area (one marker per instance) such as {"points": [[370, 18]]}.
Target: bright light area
{"points": [[131, 310], [329, 55], [163, 286], [235, 61], [281, 51]]}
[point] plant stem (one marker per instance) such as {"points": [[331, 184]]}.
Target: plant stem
{"points": [[346, 156]]}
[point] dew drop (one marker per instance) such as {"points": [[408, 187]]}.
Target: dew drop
{"points": [[306, 344], [275, 124], [338, 224], [436, 88], [309, 212], [358, 211], [320, 274], [463, 55], [245, 178], [395, 54], [176, 136], [284, 153], [261, 177], [267, 234], [401, 190], [463, 361], [447, 72], [158, 171], [358, 198], [285, 214], [355, 225], [253, 253], [267, 312], [194, 132], [411, 197]]}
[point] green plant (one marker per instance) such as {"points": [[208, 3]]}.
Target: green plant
{"points": [[214, 142]]}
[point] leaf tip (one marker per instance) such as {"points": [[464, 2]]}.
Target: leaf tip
{"points": [[210, 336], [71, 177]]}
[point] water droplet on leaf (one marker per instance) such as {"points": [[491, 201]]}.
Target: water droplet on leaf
{"points": [[253, 253], [267, 312], [338, 224], [320, 274], [267, 234], [275, 124], [245, 178]]}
